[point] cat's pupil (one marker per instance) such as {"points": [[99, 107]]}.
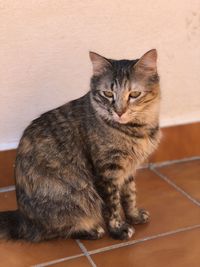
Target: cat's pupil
{"points": [[135, 94], [108, 94]]}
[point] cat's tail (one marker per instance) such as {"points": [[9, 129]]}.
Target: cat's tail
{"points": [[13, 225]]}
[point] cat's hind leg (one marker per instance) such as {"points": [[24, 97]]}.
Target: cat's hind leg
{"points": [[93, 234], [87, 228]]}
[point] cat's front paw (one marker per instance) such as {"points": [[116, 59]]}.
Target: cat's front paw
{"points": [[142, 217], [123, 232]]}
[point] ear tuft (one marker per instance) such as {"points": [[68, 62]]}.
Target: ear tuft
{"points": [[148, 62], [99, 63]]}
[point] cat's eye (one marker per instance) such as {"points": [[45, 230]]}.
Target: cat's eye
{"points": [[134, 94], [108, 94]]}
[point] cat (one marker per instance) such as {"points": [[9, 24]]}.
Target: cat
{"points": [[76, 164]]}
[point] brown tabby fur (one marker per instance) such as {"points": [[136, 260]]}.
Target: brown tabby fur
{"points": [[76, 164]]}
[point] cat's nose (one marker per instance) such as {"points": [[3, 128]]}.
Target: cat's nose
{"points": [[120, 112]]}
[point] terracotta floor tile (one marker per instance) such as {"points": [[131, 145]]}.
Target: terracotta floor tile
{"points": [[7, 159], [173, 144], [79, 262], [23, 254], [169, 209], [8, 201], [178, 250], [186, 175]]}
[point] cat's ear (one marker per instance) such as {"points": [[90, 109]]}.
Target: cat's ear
{"points": [[147, 63], [99, 63]]}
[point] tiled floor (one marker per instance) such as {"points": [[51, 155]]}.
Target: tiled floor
{"points": [[171, 192]]}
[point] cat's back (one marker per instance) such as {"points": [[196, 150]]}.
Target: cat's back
{"points": [[56, 136]]}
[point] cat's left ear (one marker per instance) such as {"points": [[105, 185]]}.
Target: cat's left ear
{"points": [[99, 63], [147, 63]]}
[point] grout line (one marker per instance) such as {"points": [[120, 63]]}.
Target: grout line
{"points": [[179, 189], [86, 253], [124, 244], [143, 166], [7, 189], [149, 238], [49, 263], [168, 162]]}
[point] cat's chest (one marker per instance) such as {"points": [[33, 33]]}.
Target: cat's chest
{"points": [[134, 154], [125, 151], [120, 152], [136, 148]]}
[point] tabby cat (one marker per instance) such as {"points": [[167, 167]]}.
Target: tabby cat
{"points": [[76, 164]]}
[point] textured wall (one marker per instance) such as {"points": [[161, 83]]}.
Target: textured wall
{"points": [[44, 53]]}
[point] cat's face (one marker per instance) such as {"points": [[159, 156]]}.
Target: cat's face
{"points": [[122, 89]]}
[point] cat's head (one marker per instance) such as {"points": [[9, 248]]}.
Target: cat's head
{"points": [[122, 90]]}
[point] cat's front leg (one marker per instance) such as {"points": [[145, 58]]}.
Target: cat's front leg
{"points": [[128, 199], [117, 227]]}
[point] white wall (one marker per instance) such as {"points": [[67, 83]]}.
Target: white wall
{"points": [[44, 53]]}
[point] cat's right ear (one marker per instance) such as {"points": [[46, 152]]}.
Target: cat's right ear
{"points": [[99, 63]]}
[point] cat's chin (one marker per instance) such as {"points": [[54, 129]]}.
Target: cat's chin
{"points": [[121, 121]]}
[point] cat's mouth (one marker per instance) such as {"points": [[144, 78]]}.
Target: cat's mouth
{"points": [[120, 119]]}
